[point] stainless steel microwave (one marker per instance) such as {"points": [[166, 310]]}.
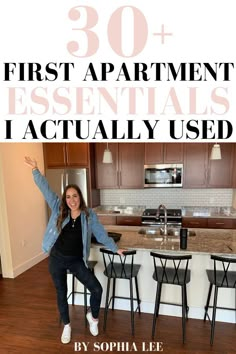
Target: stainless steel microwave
{"points": [[166, 175]]}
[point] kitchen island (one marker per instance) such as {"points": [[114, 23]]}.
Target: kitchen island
{"points": [[203, 241], [200, 246]]}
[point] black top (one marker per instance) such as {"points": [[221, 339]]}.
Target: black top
{"points": [[70, 242]]}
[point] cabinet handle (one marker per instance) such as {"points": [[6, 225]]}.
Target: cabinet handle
{"points": [[219, 223], [120, 179], [117, 176]]}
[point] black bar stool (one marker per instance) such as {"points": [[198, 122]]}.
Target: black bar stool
{"points": [[120, 267], [172, 269], [91, 265], [221, 277]]}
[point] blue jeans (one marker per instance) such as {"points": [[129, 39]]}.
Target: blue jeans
{"points": [[58, 265]]}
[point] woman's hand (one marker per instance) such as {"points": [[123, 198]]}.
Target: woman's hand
{"points": [[31, 162], [120, 251]]}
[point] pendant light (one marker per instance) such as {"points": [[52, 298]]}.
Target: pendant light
{"points": [[215, 152], [107, 156]]}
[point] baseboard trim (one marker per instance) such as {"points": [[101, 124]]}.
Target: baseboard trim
{"points": [[165, 309], [28, 264]]}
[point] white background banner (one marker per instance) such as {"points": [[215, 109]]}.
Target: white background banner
{"points": [[117, 70]]}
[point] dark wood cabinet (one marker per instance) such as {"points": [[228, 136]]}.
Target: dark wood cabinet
{"points": [[58, 155], [195, 165], [156, 153], [129, 220], [54, 155], [106, 173], [234, 168], [131, 164], [74, 155], [107, 219], [220, 172], [126, 171], [201, 172], [194, 222], [220, 223], [77, 154], [209, 223], [123, 220]]}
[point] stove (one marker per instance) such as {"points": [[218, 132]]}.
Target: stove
{"points": [[150, 218]]}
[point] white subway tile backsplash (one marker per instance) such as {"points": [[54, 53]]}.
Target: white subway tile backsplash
{"points": [[171, 197]]}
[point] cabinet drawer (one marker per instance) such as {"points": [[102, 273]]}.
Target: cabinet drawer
{"points": [[195, 222], [129, 220], [107, 219], [215, 223]]}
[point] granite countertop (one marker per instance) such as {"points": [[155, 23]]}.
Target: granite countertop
{"points": [[206, 241], [209, 212], [119, 210]]}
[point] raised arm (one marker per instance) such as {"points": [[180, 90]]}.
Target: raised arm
{"points": [[51, 198], [31, 162]]}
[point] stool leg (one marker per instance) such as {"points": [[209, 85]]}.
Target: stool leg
{"points": [[73, 289], [214, 315], [106, 304], [85, 305], [183, 311], [208, 301], [137, 293], [132, 304], [186, 301], [113, 293], [235, 304], [156, 310]]}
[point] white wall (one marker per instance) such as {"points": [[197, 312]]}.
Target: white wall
{"points": [[22, 211]]}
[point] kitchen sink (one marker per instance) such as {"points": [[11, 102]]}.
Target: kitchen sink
{"points": [[150, 231], [154, 232]]}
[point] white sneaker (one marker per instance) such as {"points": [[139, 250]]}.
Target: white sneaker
{"points": [[66, 334], [93, 324]]}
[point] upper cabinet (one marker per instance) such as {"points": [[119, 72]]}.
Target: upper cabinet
{"points": [[66, 154], [106, 173], [220, 172], [74, 155], [131, 164], [195, 165], [201, 172], [126, 171], [158, 153], [234, 169]]}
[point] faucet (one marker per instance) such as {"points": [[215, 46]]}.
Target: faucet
{"points": [[161, 206]]}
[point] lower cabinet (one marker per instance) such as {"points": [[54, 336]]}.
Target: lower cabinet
{"points": [[129, 220], [107, 219], [120, 220], [195, 222], [215, 223], [209, 223]]}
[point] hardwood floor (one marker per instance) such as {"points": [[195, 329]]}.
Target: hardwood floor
{"points": [[29, 324]]}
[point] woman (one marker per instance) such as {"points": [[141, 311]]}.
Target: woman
{"points": [[67, 239]]}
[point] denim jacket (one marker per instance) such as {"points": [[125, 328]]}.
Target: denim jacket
{"points": [[90, 225]]}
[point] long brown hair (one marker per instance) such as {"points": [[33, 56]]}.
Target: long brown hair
{"points": [[64, 209]]}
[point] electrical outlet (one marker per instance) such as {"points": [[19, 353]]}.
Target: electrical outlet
{"points": [[23, 243]]}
